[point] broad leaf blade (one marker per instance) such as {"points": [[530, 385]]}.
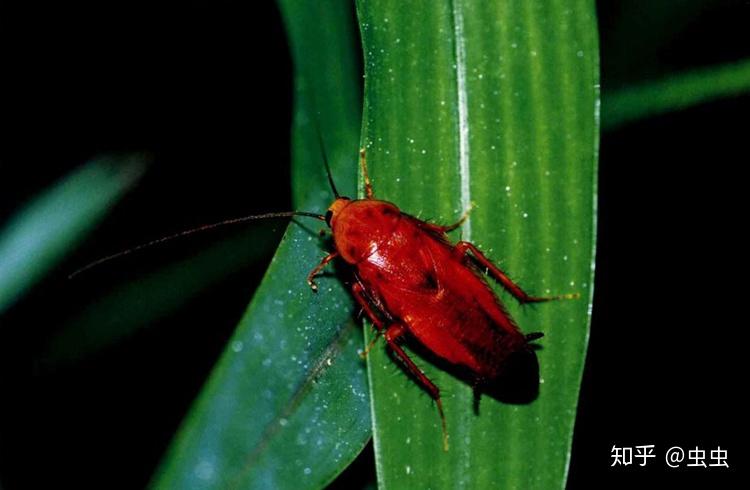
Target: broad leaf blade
{"points": [[41, 233], [493, 103], [286, 405]]}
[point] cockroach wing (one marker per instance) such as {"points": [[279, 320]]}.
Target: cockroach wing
{"points": [[445, 304]]}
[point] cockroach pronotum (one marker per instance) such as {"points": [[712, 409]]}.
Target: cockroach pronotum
{"points": [[414, 285]]}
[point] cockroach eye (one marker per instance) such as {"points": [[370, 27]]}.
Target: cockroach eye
{"points": [[329, 215]]}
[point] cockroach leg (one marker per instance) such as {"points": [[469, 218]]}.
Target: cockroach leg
{"points": [[500, 276], [363, 164], [318, 268], [358, 292], [392, 334], [370, 345], [464, 217]]}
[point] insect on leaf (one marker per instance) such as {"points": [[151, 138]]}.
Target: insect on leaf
{"points": [[492, 103]]}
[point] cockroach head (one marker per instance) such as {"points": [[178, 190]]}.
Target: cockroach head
{"points": [[334, 209]]}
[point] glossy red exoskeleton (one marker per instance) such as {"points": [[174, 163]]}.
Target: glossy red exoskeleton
{"points": [[415, 285]]}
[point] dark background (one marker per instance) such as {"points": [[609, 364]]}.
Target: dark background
{"points": [[205, 89]]}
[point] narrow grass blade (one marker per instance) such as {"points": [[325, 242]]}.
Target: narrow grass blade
{"points": [[674, 93], [48, 227]]}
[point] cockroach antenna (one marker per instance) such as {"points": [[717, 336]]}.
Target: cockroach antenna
{"points": [[233, 221], [325, 160]]}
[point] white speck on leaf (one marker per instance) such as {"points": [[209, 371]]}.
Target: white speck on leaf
{"points": [[204, 470]]}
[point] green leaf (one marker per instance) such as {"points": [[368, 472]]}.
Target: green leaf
{"points": [[674, 93], [53, 223], [493, 103], [286, 405]]}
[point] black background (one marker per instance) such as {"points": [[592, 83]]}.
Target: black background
{"points": [[205, 88]]}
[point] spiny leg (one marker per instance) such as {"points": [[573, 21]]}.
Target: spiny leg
{"points": [[392, 334], [503, 279], [370, 344], [318, 268], [358, 292], [368, 185], [464, 217]]}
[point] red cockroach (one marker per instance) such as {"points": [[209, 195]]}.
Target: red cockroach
{"points": [[415, 285]]}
